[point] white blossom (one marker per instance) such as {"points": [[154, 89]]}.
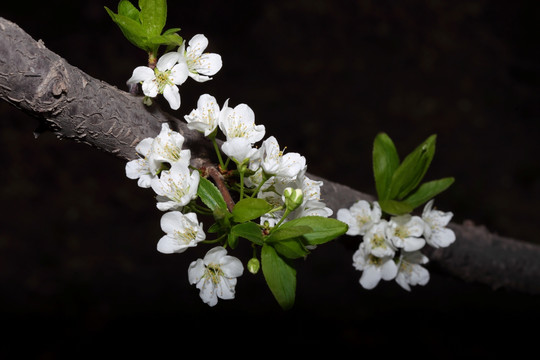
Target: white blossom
{"points": [[405, 232], [275, 162], [273, 189], [171, 70], [410, 271], [239, 149], [373, 268], [201, 65], [360, 217], [376, 241], [215, 275], [239, 122], [140, 168], [435, 232], [176, 187], [182, 231], [167, 149], [205, 117]]}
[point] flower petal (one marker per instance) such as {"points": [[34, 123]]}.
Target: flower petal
{"points": [[197, 45], [179, 73], [141, 73], [168, 60], [172, 95]]}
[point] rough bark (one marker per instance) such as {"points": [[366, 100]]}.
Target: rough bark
{"points": [[76, 106]]}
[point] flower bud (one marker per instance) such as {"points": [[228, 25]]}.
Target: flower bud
{"points": [[293, 198], [253, 265]]}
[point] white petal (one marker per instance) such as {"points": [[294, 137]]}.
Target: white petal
{"points": [[144, 146], [197, 44], [141, 73], [171, 221], [196, 271], [167, 61], [179, 73], [214, 255], [389, 270], [209, 64], [171, 94], [167, 245], [413, 244], [150, 88], [370, 277], [441, 238], [231, 266]]}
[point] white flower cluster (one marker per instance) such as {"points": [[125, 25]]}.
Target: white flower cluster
{"points": [[271, 169], [390, 249], [164, 167], [174, 68]]}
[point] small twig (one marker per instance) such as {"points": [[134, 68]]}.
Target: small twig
{"points": [[218, 178]]}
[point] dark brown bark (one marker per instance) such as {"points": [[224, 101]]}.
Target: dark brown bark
{"points": [[76, 106]]}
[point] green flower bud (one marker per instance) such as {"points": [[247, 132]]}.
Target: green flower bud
{"points": [[293, 198], [253, 265]]}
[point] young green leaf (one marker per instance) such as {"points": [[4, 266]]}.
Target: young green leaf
{"points": [[132, 30], [385, 162], [249, 209], [210, 195], [323, 229], [412, 170], [126, 8], [248, 230], [153, 15], [428, 190], [280, 276], [394, 207]]}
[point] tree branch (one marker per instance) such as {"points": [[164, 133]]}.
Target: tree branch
{"points": [[76, 106]]}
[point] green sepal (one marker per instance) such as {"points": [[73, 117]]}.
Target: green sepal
{"points": [[250, 208], [323, 229], [210, 195], [280, 276], [385, 162], [412, 169], [428, 190], [248, 230]]}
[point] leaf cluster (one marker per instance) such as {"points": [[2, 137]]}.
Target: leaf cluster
{"points": [[279, 246], [398, 183], [144, 27]]}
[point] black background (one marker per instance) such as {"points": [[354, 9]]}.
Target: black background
{"points": [[79, 273]]}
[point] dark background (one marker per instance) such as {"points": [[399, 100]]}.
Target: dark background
{"points": [[79, 273]]}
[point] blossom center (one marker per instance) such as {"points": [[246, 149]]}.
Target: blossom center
{"points": [[163, 78], [186, 236], [213, 273]]}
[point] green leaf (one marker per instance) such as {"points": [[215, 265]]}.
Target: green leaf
{"points": [[132, 30], [153, 15], [232, 240], [385, 162], [394, 207], [428, 190], [323, 229], [249, 209], [412, 170], [126, 8], [291, 248], [287, 232], [280, 276], [210, 195], [248, 230], [171, 31]]}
